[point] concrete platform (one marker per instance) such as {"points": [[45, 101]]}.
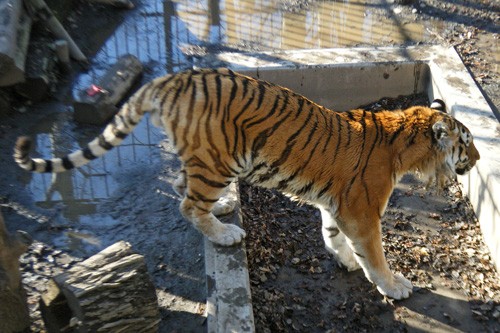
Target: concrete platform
{"points": [[345, 78], [229, 304]]}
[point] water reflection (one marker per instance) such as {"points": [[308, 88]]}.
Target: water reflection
{"points": [[323, 24], [80, 190], [159, 29], [156, 32]]}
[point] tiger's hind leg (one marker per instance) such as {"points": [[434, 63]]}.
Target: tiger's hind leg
{"points": [[180, 183], [223, 206], [336, 243], [199, 205]]}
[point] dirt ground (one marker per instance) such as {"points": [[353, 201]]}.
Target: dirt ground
{"points": [[296, 285], [433, 240]]}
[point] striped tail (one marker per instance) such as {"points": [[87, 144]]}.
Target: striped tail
{"points": [[115, 132]]}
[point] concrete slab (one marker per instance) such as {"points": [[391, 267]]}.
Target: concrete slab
{"points": [[229, 304]]}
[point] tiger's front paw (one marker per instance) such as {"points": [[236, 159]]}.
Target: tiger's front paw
{"points": [[398, 288], [229, 235]]}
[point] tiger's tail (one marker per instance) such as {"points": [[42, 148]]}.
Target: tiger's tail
{"points": [[114, 133]]}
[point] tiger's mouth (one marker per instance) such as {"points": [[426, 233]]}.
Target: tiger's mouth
{"points": [[462, 171]]}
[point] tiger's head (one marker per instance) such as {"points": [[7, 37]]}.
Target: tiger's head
{"points": [[454, 141]]}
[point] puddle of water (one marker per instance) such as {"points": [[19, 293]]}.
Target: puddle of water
{"points": [[85, 186], [156, 34], [270, 25], [77, 193]]}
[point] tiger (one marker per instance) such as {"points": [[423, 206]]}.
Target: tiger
{"points": [[226, 126]]}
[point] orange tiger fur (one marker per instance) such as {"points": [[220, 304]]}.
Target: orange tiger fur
{"points": [[227, 126]]}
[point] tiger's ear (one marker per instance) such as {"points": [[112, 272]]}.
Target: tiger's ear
{"points": [[441, 131], [438, 104]]}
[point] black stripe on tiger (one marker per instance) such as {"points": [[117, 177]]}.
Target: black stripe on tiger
{"points": [[218, 89], [48, 166], [367, 159], [87, 153], [325, 188], [339, 135], [329, 131], [209, 182], [232, 96], [237, 131], [305, 189], [205, 90], [22, 150], [189, 118], [363, 141], [116, 132], [283, 184], [197, 196], [103, 143], [262, 92], [67, 164], [313, 130]]}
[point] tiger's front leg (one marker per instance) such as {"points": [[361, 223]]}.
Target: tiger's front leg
{"points": [[205, 221], [225, 205], [203, 191], [365, 240]]}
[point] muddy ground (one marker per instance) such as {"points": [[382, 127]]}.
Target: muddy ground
{"points": [[433, 240]]}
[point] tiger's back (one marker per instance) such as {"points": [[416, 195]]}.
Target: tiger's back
{"points": [[226, 126]]}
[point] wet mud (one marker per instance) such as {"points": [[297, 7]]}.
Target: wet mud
{"points": [[128, 195]]}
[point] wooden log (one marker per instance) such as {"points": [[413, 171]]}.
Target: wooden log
{"points": [[47, 16], [109, 292], [62, 52], [40, 71], [5, 102], [14, 313], [127, 4], [15, 28], [97, 104]]}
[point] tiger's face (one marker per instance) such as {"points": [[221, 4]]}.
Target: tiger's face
{"points": [[455, 139], [464, 154]]}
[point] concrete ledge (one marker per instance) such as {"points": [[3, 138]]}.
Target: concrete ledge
{"points": [[229, 304], [452, 81]]}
